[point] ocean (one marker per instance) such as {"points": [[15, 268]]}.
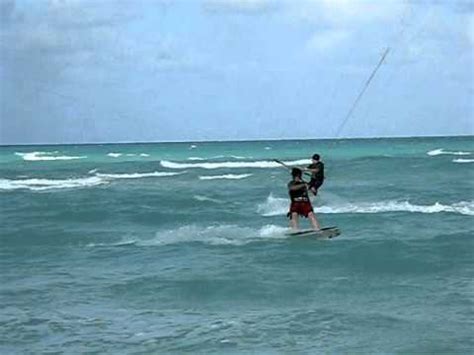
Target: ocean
{"points": [[181, 247]]}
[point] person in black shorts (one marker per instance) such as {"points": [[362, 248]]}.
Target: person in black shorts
{"points": [[300, 202], [316, 168]]}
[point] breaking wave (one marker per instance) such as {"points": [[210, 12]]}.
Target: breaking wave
{"points": [[275, 206], [264, 164], [203, 198], [441, 151], [35, 184], [50, 184], [463, 161], [226, 176], [47, 156], [117, 155], [225, 234], [137, 175], [237, 157]]}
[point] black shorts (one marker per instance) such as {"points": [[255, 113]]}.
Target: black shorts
{"points": [[315, 184]]}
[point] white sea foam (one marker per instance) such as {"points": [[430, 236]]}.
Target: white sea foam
{"points": [[226, 176], [49, 184], [35, 184], [231, 164], [138, 175], [121, 243], [215, 235], [203, 198], [275, 206], [144, 155], [196, 158], [463, 161], [237, 157], [114, 155], [47, 156], [441, 151]]}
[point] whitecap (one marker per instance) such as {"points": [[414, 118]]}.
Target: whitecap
{"points": [[203, 198], [144, 155], [47, 156], [50, 184], [114, 155], [225, 234], [196, 158], [441, 151], [138, 175], [275, 206], [231, 164], [463, 161], [226, 176], [399, 206]]}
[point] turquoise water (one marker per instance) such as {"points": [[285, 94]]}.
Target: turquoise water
{"points": [[181, 247]]}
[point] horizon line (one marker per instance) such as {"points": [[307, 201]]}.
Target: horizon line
{"points": [[233, 140]]}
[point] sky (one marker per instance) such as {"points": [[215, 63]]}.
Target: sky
{"points": [[85, 71]]}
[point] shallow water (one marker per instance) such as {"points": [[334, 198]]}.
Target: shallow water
{"points": [[181, 247]]}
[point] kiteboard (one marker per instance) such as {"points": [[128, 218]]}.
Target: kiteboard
{"points": [[323, 233]]}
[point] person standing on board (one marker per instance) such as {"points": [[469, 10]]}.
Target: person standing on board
{"points": [[316, 168], [300, 202]]}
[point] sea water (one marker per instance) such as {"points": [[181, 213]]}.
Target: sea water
{"points": [[181, 247]]}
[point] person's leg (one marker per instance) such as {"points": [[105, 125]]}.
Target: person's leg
{"points": [[294, 221], [314, 221]]}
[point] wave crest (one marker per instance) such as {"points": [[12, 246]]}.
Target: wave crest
{"points": [[215, 235], [47, 156], [138, 175], [275, 206], [50, 184], [463, 161], [263, 164], [441, 151], [225, 177]]}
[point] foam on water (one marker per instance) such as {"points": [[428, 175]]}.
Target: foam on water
{"points": [[203, 198], [225, 177], [441, 151], [49, 184], [138, 175], [114, 155], [263, 164], [237, 157], [37, 184], [463, 161], [47, 156], [275, 206], [224, 234]]}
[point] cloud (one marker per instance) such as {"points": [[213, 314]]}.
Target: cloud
{"points": [[249, 7]]}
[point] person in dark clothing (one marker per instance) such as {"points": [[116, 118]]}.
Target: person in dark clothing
{"points": [[300, 202], [316, 168]]}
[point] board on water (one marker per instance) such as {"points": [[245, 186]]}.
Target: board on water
{"points": [[323, 233]]}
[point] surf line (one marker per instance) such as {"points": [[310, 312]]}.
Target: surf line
{"points": [[288, 167]]}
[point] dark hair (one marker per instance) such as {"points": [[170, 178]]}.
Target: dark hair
{"points": [[316, 157], [295, 172]]}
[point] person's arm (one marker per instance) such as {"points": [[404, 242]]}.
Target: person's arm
{"points": [[313, 170]]}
